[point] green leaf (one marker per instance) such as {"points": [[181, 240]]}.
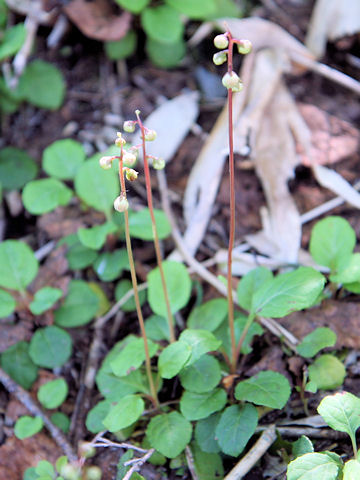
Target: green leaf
{"points": [[80, 305], [124, 413], [17, 363], [341, 412], [18, 265], [315, 341], [50, 347], [162, 24], [235, 428], [121, 468], [205, 433], [353, 287], [332, 242], [52, 394], [95, 417], [208, 466], [195, 406], [301, 446], [157, 328], [44, 195], [30, 474], [45, 468], [223, 334], [351, 470], [110, 265], [77, 255], [96, 187], [44, 299], [121, 289], [250, 284], [173, 358], [165, 55], [120, 49], [327, 372], [169, 433], [198, 10], [225, 9], [202, 376], [61, 420], [43, 85], [27, 426], [288, 292], [349, 274], [141, 226], [270, 389], [16, 168], [7, 304], [178, 283], [61, 462], [63, 158], [312, 466], [209, 315], [95, 237], [132, 356], [134, 6], [12, 40], [200, 341]]}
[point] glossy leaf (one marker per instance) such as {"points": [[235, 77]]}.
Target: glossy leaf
{"points": [[208, 466], [195, 406], [162, 23], [110, 265], [124, 413], [250, 283], [50, 347], [44, 299], [61, 420], [16, 168], [95, 237], [209, 315], [351, 470], [313, 466], [173, 358], [63, 158], [44, 195], [52, 394], [132, 356], [327, 372], [12, 40], [169, 433], [301, 446], [18, 265], [157, 328], [205, 433], [141, 226], [223, 334], [341, 412], [17, 363], [202, 376], [315, 341], [95, 417], [349, 274], [200, 341], [79, 307], [27, 426], [121, 289]]}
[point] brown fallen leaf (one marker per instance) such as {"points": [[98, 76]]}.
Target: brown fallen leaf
{"points": [[52, 272], [57, 224], [271, 359], [12, 333], [96, 19]]}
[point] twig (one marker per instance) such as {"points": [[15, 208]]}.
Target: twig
{"points": [[44, 251], [21, 58], [265, 441], [295, 432], [100, 441], [190, 462], [24, 397], [139, 463]]}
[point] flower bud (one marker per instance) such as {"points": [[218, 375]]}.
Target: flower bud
{"points": [[150, 135], [70, 472], [221, 41], [244, 47], [121, 204], [158, 163], [130, 174], [86, 450], [232, 80], [219, 58], [129, 158], [93, 473], [106, 162], [129, 126], [120, 142]]}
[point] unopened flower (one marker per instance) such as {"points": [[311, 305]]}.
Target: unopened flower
{"points": [[158, 163], [93, 473], [129, 126], [129, 158], [232, 81], [219, 58], [130, 174], [244, 47], [121, 204], [70, 472], [106, 162], [150, 135], [119, 141], [221, 41], [86, 450]]}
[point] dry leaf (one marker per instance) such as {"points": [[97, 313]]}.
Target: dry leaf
{"points": [[12, 333]]}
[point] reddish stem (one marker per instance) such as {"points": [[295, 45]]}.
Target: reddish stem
{"points": [[154, 229]]}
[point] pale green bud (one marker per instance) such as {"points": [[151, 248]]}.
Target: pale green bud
{"points": [[221, 41], [93, 473], [86, 450], [131, 174], [70, 472], [232, 81], [244, 47], [129, 126], [219, 58], [121, 204], [106, 162], [158, 163], [150, 135], [129, 158]]}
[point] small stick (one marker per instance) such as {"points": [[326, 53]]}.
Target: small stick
{"points": [[139, 463], [296, 432], [190, 462], [265, 441], [24, 397]]}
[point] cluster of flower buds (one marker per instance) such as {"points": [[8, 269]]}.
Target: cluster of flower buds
{"points": [[119, 141], [120, 203], [130, 174], [106, 162], [130, 156]]}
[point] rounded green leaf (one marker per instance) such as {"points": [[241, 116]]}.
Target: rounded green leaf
{"points": [[95, 417], [134, 6], [43, 85], [121, 289], [63, 158], [18, 265], [270, 389], [124, 413], [61, 420], [96, 187], [349, 274], [80, 305], [332, 242], [7, 304], [250, 283], [327, 372], [209, 315], [44, 468], [169, 433], [123, 48], [162, 24], [178, 283], [315, 341], [50, 347], [141, 226], [202, 376], [12, 40], [16, 168], [95, 237], [195, 406], [27, 426], [207, 465], [235, 428], [201, 9], [77, 255], [223, 334], [200, 341], [132, 356], [110, 265], [205, 433], [341, 412], [173, 358], [44, 299], [44, 195], [52, 394], [157, 328], [17, 363], [165, 55], [301, 446], [312, 466], [351, 470]]}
